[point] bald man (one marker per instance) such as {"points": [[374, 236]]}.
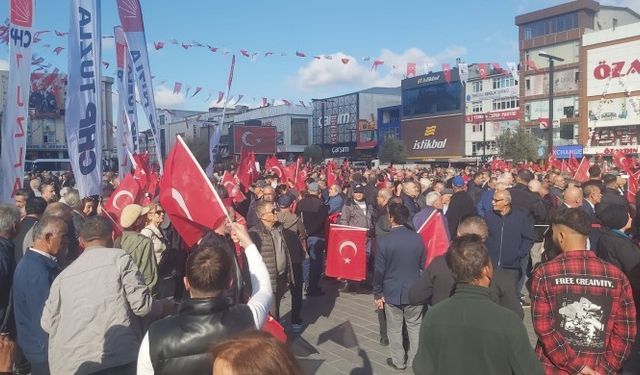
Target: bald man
{"points": [[572, 197]]}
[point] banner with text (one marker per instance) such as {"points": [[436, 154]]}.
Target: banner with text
{"points": [[130, 13], [16, 114], [123, 143], [83, 108]]}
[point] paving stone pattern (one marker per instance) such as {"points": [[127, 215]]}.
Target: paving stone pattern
{"points": [[341, 334]]}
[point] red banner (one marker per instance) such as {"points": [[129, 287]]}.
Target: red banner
{"points": [[259, 139], [435, 236], [493, 116], [347, 252]]}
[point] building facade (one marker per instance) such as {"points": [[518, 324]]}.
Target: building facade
{"points": [[46, 137], [610, 105], [345, 126], [558, 31], [432, 125], [389, 119], [491, 108]]}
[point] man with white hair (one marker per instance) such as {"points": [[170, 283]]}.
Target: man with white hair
{"points": [[434, 199], [425, 185]]}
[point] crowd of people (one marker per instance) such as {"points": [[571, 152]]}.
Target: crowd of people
{"points": [[83, 292]]}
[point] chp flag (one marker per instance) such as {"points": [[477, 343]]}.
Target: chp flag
{"points": [[188, 197], [258, 139], [83, 108], [16, 114], [130, 13], [347, 252]]}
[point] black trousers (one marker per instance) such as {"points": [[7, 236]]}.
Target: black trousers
{"points": [[296, 293]]}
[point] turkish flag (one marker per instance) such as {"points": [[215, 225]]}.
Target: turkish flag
{"points": [[126, 193], [435, 236], [187, 196], [301, 179], [573, 163], [151, 190], [233, 188], [543, 122], [331, 177], [483, 70], [582, 172], [446, 70], [259, 139], [621, 161], [553, 162], [246, 168], [347, 252], [273, 164], [632, 188], [411, 70]]}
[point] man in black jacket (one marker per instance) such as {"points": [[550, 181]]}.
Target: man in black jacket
{"points": [[9, 219], [313, 213], [181, 343], [611, 195], [460, 206]]}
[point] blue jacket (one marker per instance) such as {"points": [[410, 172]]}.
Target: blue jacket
{"points": [[31, 284], [510, 237], [484, 205], [335, 203], [399, 263]]}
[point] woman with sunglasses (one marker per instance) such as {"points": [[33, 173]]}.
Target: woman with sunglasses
{"points": [[155, 217]]}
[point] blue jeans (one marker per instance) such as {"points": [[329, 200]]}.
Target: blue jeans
{"points": [[312, 265]]}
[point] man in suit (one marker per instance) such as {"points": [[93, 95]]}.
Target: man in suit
{"points": [[592, 196], [399, 261]]}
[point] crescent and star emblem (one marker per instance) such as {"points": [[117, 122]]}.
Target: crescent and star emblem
{"points": [[120, 193], [245, 139], [344, 244]]}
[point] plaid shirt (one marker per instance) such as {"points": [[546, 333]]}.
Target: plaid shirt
{"points": [[583, 314]]}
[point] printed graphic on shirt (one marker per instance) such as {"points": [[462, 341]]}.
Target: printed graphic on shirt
{"points": [[582, 320], [585, 281]]}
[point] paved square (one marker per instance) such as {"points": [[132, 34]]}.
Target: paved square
{"points": [[341, 334]]}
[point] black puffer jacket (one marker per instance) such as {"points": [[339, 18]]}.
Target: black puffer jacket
{"points": [[180, 344], [620, 251]]}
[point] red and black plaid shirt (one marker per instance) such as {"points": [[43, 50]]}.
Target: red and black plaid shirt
{"points": [[583, 314]]}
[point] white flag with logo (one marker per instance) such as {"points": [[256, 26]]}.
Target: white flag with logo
{"points": [[130, 13], [83, 109], [463, 71], [513, 68], [123, 143], [16, 113]]}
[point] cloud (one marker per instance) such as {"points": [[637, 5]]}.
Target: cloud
{"points": [[4, 64], [165, 98], [331, 73]]}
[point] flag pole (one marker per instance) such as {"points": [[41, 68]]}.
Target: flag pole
{"points": [[224, 108]]}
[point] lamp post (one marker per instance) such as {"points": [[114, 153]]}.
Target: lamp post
{"points": [[552, 60], [484, 138]]}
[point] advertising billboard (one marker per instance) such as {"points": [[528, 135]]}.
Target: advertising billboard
{"points": [[565, 152], [339, 121], [613, 69], [436, 137], [259, 139], [614, 112]]}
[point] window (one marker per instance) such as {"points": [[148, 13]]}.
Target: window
{"points": [[551, 25], [476, 128], [500, 82], [476, 86], [505, 103], [161, 119], [527, 84], [432, 99], [476, 107], [476, 147]]}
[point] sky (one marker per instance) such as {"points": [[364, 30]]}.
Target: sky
{"points": [[395, 32]]}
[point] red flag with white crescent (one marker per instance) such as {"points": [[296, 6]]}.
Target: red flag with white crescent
{"points": [[347, 252], [632, 189], [435, 236], [446, 70], [188, 197], [126, 193], [582, 172], [273, 164]]}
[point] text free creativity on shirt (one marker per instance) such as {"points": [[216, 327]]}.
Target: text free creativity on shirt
{"points": [[604, 283]]}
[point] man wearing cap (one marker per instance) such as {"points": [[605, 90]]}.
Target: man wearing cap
{"points": [[357, 213], [313, 213], [132, 220], [460, 206], [582, 307]]}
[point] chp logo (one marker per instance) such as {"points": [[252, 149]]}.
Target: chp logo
{"points": [[22, 12]]}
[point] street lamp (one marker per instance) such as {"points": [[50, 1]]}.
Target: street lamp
{"points": [[551, 59], [484, 138]]}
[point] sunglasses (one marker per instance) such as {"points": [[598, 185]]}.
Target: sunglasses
{"points": [[159, 212]]}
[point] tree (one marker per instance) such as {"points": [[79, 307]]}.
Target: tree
{"points": [[200, 150], [518, 145], [313, 153], [392, 151]]}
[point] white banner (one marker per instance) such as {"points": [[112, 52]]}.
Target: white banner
{"points": [[613, 69], [130, 14], [213, 149], [16, 114], [122, 125], [83, 113]]}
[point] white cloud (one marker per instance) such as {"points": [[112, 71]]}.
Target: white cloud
{"points": [[4, 64], [325, 73], [165, 98]]}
